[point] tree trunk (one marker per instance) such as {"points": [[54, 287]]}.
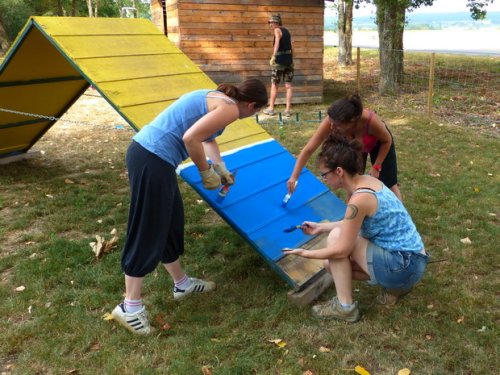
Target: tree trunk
{"points": [[345, 32], [390, 23], [90, 8]]}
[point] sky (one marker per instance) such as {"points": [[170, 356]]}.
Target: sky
{"points": [[439, 6]]}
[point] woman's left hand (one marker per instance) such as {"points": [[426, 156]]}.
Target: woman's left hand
{"points": [[374, 173]]}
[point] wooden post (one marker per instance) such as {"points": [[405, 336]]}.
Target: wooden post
{"points": [[431, 85], [358, 70]]}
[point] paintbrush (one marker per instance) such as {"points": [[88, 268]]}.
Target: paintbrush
{"points": [[294, 227], [288, 196], [225, 189]]}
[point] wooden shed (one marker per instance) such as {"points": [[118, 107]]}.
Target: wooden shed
{"points": [[230, 40]]}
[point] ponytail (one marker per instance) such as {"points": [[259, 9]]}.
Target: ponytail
{"points": [[250, 91]]}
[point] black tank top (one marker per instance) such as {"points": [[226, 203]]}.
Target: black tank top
{"points": [[284, 54]]}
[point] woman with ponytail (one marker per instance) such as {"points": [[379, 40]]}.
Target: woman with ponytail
{"points": [[376, 241], [155, 232], [347, 117]]}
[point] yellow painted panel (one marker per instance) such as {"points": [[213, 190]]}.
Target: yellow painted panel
{"points": [[95, 26], [132, 67], [115, 45], [18, 138], [36, 58], [48, 99], [155, 89], [143, 114]]}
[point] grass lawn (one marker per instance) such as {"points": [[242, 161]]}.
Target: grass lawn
{"points": [[55, 293]]}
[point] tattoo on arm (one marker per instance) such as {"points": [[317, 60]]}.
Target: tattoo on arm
{"points": [[353, 213]]}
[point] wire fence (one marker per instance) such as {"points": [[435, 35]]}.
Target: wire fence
{"points": [[461, 89]]}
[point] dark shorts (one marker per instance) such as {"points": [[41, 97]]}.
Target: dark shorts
{"points": [[389, 173], [395, 269], [155, 231], [281, 71]]}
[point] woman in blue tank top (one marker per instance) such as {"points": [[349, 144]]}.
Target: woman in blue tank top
{"points": [[376, 241], [155, 231]]}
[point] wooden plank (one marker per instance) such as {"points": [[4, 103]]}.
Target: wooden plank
{"points": [[132, 67], [154, 89], [231, 20], [84, 26], [49, 61], [306, 6], [78, 47]]}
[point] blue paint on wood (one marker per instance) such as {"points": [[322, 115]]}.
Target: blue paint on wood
{"points": [[253, 204]]}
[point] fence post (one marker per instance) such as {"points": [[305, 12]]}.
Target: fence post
{"points": [[431, 85], [358, 66]]}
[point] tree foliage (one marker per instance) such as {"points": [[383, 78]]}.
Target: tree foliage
{"points": [[15, 13]]}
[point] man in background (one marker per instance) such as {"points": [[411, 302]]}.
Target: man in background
{"points": [[281, 65]]}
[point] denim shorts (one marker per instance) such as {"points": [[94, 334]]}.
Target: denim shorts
{"points": [[395, 269]]}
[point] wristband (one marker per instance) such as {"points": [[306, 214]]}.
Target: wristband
{"points": [[377, 167]]}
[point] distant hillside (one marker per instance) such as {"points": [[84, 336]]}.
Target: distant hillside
{"points": [[428, 21]]}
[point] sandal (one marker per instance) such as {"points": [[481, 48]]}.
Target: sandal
{"points": [[268, 112]]}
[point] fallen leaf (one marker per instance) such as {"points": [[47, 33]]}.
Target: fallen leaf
{"points": [[106, 316], [95, 346], [482, 329], [435, 175], [361, 371], [461, 319], [164, 326], [68, 181], [428, 337], [324, 349], [278, 342], [102, 246], [476, 189], [206, 370], [308, 372], [20, 288], [404, 371], [466, 241], [49, 196], [113, 231]]}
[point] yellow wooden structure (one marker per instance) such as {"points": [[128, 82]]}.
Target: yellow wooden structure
{"points": [[129, 62]]}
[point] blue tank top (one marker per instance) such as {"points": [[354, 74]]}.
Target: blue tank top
{"points": [[391, 228], [163, 135]]}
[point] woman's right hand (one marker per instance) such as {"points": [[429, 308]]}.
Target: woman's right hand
{"points": [[311, 228], [291, 184], [210, 179]]}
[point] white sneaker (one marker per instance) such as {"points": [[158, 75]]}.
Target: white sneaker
{"points": [[135, 322], [197, 286]]}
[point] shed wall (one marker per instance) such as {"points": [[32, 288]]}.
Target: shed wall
{"points": [[231, 40]]}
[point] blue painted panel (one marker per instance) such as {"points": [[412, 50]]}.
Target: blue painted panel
{"points": [[253, 206]]}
